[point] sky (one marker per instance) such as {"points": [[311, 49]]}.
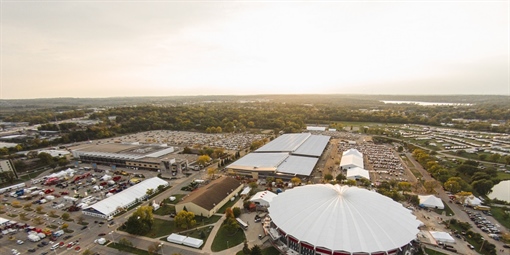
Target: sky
{"points": [[130, 48]]}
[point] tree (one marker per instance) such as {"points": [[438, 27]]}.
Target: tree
{"points": [[340, 177], [80, 219], [482, 186], [38, 220], [236, 211], [66, 216], [149, 192], [328, 177], [45, 158], [211, 171], [154, 248], [87, 252], [351, 182], [255, 250], [203, 160], [404, 186], [16, 204], [141, 221], [38, 209], [430, 185], [160, 188], [27, 206], [185, 220], [125, 242], [246, 249], [64, 226], [52, 213], [463, 195], [230, 225], [295, 181], [253, 185], [452, 186]]}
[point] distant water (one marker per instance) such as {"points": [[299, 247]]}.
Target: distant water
{"points": [[423, 103], [501, 191]]}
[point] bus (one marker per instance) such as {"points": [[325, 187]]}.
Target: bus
{"points": [[242, 223]]}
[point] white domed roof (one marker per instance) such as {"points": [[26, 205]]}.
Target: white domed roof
{"points": [[343, 218]]}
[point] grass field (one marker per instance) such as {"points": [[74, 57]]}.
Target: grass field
{"points": [[223, 240], [228, 204], [433, 252], [165, 210], [128, 249], [500, 215], [161, 228]]}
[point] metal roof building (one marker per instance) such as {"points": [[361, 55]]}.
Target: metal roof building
{"points": [[313, 146], [285, 157], [124, 199], [340, 220], [285, 143]]}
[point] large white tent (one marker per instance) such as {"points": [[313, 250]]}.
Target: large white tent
{"points": [[263, 198], [442, 237], [472, 201], [357, 173], [342, 218], [188, 241], [124, 199], [431, 201]]}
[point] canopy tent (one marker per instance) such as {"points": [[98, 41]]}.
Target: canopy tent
{"points": [[442, 237], [263, 198], [357, 173], [472, 201], [431, 201]]}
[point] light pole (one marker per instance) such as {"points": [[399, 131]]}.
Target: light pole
{"points": [[482, 244], [111, 234], [228, 246], [161, 247]]}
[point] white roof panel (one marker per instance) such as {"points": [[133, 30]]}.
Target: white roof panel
{"points": [[358, 172], [109, 205], [260, 161], [343, 218], [351, 160], [285, 142], [298, 165], [313, 146]]}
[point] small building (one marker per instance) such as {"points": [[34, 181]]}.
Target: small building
{"points": [[7, 169], [207, 200]]}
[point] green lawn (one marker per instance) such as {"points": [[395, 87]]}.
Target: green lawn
{"points": [[224, 240], [178, 198], [161, 228], [433, 252], [165, 210], [205, 221], [500, 215], [503, 176], [228, 204], [128, 249]]}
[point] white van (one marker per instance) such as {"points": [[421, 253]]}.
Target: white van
{"points": [[54, 247]]}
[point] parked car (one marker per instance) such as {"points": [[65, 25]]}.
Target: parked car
{"points": [[31, 250], [84, 227], [471, 246], [102, 234], [67, 237], [20, 242]]}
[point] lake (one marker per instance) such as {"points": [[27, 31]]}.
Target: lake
{"points": [[423, 103], [501, 191]]}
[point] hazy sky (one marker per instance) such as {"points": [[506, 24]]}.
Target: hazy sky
{"points": [[165, 48]]}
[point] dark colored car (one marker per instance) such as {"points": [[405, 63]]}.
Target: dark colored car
{"points": [[31, 250], [84, 227], [67, 237], [102, 234]]}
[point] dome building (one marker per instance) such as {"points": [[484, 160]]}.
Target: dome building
{"points": [[325, 219]]}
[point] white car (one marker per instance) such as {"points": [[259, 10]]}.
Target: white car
{"points": [[20, 242]]}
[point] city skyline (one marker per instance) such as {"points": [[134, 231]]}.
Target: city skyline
{"points": [[170, 48]]}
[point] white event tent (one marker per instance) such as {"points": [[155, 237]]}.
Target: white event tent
{"points": [[442, 237], [431, 201]]}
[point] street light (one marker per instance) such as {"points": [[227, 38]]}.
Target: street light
{"points": [[228, 246], [482, 244], [161, 247], [111, 234]]}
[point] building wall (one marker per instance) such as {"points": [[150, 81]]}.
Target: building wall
{"points": [[7, 166]]}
